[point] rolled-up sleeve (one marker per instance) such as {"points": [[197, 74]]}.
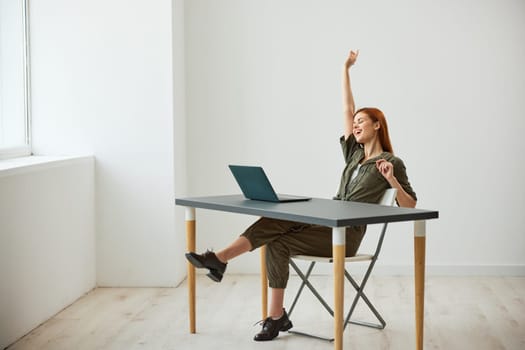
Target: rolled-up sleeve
{"points": [[349, 146], [400, 172]]}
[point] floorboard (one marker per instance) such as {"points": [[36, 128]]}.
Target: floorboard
{"points": [[482, 313]]}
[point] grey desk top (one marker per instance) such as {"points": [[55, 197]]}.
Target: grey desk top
{"points": [[318, 211]]}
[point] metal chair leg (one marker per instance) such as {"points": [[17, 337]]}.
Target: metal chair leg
{"points": [[359, 288], [306, 282], [360, 294]]}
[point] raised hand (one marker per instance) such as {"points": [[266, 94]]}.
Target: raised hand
{"points": [[351, 59]]}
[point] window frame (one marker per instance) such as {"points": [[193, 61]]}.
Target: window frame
{"points": [[26, 148]]}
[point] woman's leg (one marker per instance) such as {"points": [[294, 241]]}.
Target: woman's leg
{"points": [[240, 246], [299, 238], [260, 233], [278, 320], [276, 302]]}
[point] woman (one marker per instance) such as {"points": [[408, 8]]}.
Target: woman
{"points": [[370, 169]]}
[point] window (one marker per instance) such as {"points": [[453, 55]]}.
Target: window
{"points": [[15, 135]]}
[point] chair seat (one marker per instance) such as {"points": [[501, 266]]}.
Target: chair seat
{"points": [[358, 257]]}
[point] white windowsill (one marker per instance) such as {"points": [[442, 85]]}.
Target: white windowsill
{"points": [[31, 163]]}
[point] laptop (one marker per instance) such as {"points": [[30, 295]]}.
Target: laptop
{"points": [[255, 185]]}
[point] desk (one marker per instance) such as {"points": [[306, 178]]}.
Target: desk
{"points": [[326, 212]]}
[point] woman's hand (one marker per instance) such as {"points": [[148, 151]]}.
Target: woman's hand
{"points": [[352, 57], [386, 169]]}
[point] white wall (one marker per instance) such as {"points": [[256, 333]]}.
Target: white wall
{"points": [[47, 242], [179, 128], [102, 84], [263, 87]]}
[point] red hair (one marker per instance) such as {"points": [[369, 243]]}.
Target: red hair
{"points": [[377, 116]]}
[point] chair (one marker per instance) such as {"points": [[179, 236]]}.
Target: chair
{"points": [[387, 199]]}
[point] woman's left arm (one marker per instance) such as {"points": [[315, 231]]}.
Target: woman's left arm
{"points": [[387, 170]]}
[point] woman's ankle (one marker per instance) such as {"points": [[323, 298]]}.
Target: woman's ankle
{"points": [[278, 317], [220, 256]]}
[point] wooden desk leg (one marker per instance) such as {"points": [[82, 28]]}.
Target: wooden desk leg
{"points": [[264, 283], [338, 250], [190, 246], [419, 266]]}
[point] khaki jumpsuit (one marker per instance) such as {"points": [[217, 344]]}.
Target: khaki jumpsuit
{"points": [[287, 238]]}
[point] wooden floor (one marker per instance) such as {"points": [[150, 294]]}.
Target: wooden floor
{"points": [[461, 313]]}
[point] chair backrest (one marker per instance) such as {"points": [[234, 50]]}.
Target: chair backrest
{"points": [[389, 197]]}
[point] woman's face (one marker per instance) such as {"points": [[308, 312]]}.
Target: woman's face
{"points": [[364, 128]]}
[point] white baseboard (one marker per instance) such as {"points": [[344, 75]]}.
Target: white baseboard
{"points": [[435, 270], [402, 270], [476, 270]]}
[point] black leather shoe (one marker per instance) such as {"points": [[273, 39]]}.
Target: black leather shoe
{"points": [[208, 261], [271, 327]]}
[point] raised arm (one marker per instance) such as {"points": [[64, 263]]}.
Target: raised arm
{"points": [[348, 98]]}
